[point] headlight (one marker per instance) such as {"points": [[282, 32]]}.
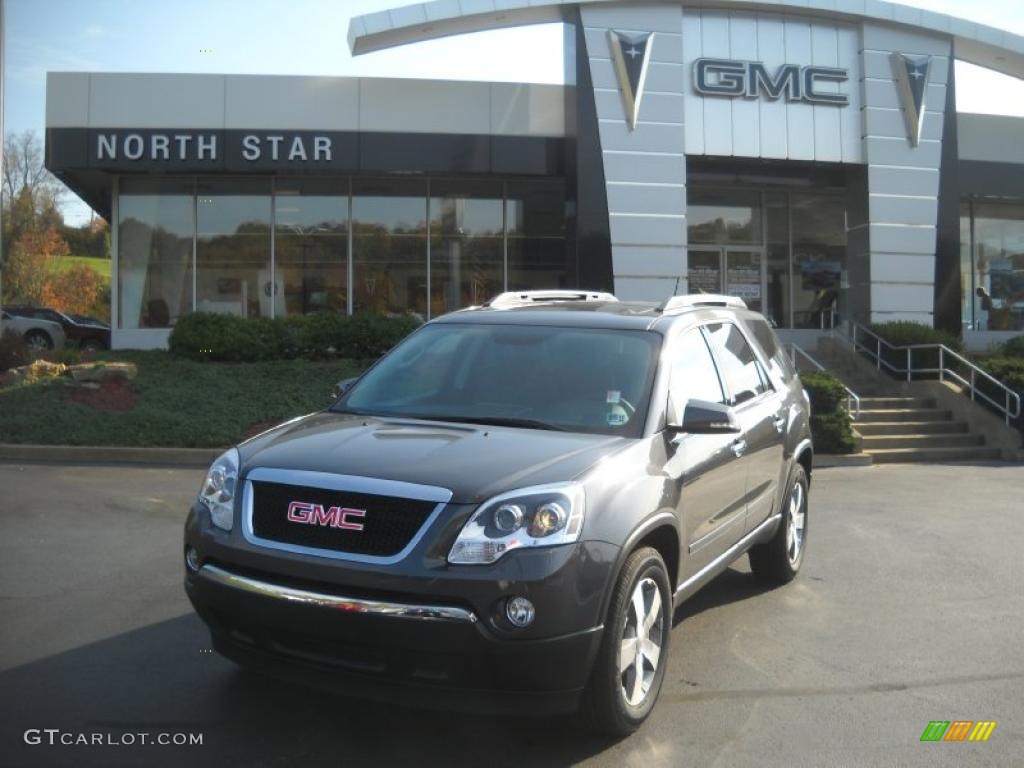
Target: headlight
{"points": [[218, 489], [541, 516]]}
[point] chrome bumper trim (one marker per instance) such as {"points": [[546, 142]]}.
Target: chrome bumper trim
{"points": [[337, 602]]}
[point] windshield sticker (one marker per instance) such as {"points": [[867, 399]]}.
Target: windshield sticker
{"points": [[614, 396], [617, 416]]}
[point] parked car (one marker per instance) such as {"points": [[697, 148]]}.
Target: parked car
{"points": [[504, 511], [41, 335], [86, 333]]}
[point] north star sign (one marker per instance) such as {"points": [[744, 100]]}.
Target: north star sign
{"points": [[751, 79], [198, 145]]}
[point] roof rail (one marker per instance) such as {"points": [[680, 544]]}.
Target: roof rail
{"points": [[678, 303], [519, 298]]}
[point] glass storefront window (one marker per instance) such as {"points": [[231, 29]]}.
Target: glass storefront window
{"points": [[389, 246], [726, 216], [233, 247], [998, 265], [966, 270], [154, 275], [535, 219], [819, 256], [467, 262], [311, 246]]}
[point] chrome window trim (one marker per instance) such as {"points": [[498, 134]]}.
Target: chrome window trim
{"points": [[355, 484], [338, 602]]}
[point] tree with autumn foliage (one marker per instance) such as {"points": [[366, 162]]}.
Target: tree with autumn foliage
{"points": [[76, 290], [30, 266]]}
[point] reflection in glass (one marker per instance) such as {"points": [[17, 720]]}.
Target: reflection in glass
{"points": [[311, 245], [776, 207], [724, 216], [154, 274], [535, 218], [467, 265], [967, 287], [704, 270], [999, 265], [389, 246], [819, 256], [233, 248]]}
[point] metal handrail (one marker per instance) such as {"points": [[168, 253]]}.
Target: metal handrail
{"points": [[852, 398], [1010, 396]]}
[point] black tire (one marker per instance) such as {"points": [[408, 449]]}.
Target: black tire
{"points": [[38, 339], [774, 561], [606, 708], [93, 345]]}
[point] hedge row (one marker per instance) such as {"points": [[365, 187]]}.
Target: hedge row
{"points": [[831, 427], [207, 336], [904, 333], [1014, 347]]}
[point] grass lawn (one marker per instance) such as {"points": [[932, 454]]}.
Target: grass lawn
{"points": [[100, 265], [179, 402]]}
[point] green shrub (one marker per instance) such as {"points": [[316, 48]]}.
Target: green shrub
{"points": [[1014, 347], [14, 351], [830, 422], [206, 336], [1009, 370], [832, 433], [902, 333], [828, 394]]}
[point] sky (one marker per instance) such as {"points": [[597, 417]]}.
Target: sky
{"points": [[309, 37]]}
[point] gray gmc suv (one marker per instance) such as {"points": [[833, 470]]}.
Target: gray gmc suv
{"points": [[503, 512]]}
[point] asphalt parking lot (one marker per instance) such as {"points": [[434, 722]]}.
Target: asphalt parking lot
{"points": [[909, 609]]}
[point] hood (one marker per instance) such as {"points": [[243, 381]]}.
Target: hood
{"points": [[474, 462]]}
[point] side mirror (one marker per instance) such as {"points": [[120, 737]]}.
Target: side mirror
{"points": [[702, 417], [343, 386]]}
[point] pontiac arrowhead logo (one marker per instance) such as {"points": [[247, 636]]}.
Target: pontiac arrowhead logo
{"points": [[911, 80], [630, 53]]}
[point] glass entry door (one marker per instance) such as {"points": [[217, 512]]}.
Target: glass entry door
{"points": [[731, 271]]}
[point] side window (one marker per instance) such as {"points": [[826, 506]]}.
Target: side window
{"points": [[694, 376], [737, 362], [778, 360]]}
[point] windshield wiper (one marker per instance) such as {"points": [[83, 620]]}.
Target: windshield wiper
{"points": [[497, 421]]}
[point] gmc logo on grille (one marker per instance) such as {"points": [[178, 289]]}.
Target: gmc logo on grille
{"points": [[333, 517]]}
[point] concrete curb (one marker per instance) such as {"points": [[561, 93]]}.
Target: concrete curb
{"points": [[92, 454], [826, 460]]}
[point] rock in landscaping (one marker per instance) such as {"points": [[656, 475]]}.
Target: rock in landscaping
{"points": [[97, 372]]}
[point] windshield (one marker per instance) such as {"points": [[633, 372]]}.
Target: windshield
{"points": [[575, 379]]}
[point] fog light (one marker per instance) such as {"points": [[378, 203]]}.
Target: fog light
{"points": [[191, 559], [520, 611]]}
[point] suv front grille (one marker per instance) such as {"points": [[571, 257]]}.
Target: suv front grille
{"points": [[387, 527]]}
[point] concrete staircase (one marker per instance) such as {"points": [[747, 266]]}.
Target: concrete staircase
{"points": [[903, 429], [896, 427]]}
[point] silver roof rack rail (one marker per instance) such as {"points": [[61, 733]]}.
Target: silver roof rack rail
{"points": [[690, 300], [519, 298]]}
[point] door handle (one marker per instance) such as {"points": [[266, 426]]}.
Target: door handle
{"points": [[780, 422], [739, 445]]}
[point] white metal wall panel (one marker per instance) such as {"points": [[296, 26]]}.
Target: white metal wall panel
{"points": [[762, 127], [827, 132], [746, 128], [714, 33], [771, 49], [800, 117]]}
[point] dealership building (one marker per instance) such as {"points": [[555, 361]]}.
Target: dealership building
{"points": [[806, 156]]}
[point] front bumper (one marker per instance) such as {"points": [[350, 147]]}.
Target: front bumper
{"points": [[421, 632]]}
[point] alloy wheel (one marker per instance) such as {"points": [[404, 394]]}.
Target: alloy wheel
{"points": [[642, 638], [797, 524]]}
